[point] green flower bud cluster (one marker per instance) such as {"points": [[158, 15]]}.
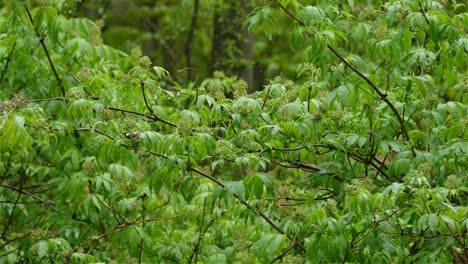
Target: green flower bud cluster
{"points": [[430, 100], [283, 113], [416, 179], [95, 35], [145, 62], [40, 234], [17, 101], [311, 30], [337, 114], [106, 114], [277, 79], [241, 247], [126, 78], [100, 23], [402, 15], [358, 184], [462, 84], [244, 124], [366, 251], [185, 126], [74, 93], [215, 89], [84, 74], [425, 123], [283, 191], [300, 214], [330, 207], [370, 13], [291, 95], [240, 89], [453, 182], [381, 32]]}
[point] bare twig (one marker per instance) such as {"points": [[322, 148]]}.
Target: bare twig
{"points": [[8, 59], [383, 96], [46, 99], [46, 51], [423, 12], [308, 98], [152, 117], [155, 117], [46, 203], [137, 222], [262, 215]]}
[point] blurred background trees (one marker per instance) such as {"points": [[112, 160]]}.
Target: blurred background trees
{"points": [[193, 38]]}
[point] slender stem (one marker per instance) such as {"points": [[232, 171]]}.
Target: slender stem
{"points": [[266, 97], [48, 204], [423, 12], [262, 215], [8, 59], [84, 88], [46, 99], [383, 96], [142, 85], [281, 256], [46, 51], [137, 222], [153, 117]]}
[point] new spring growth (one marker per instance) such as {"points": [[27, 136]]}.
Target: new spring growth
{"points": [[145, 62]]}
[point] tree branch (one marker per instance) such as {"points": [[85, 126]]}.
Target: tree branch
{"points": [[8, 59], [48, 204], [152, 117], [42, 42], [383, 96]]}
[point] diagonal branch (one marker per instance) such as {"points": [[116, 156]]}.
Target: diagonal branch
{"points": [[383, 96], [46, 51], [46, 203], [262, 215], [152, 117], [8, 59], [155, 117]]}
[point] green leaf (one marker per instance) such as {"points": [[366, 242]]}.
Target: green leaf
{"points": [[216, 259], [257, 184]]}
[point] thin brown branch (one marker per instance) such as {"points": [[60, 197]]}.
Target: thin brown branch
{"points": [[262, 215], [423, 12], [46, 99], [383, 96], [46, 203], [155, 117], [95, 130], [84, 88], [152, 117], [8, 59], [282, 255], [46, 51], [137, 222]]}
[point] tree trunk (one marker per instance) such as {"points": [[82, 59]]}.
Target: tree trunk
{"points": [[232, 50]]}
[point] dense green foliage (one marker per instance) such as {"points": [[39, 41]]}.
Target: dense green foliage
{"points": [[357, 154]]}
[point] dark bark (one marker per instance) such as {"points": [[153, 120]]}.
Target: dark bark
{"points": [[232, 50]]}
